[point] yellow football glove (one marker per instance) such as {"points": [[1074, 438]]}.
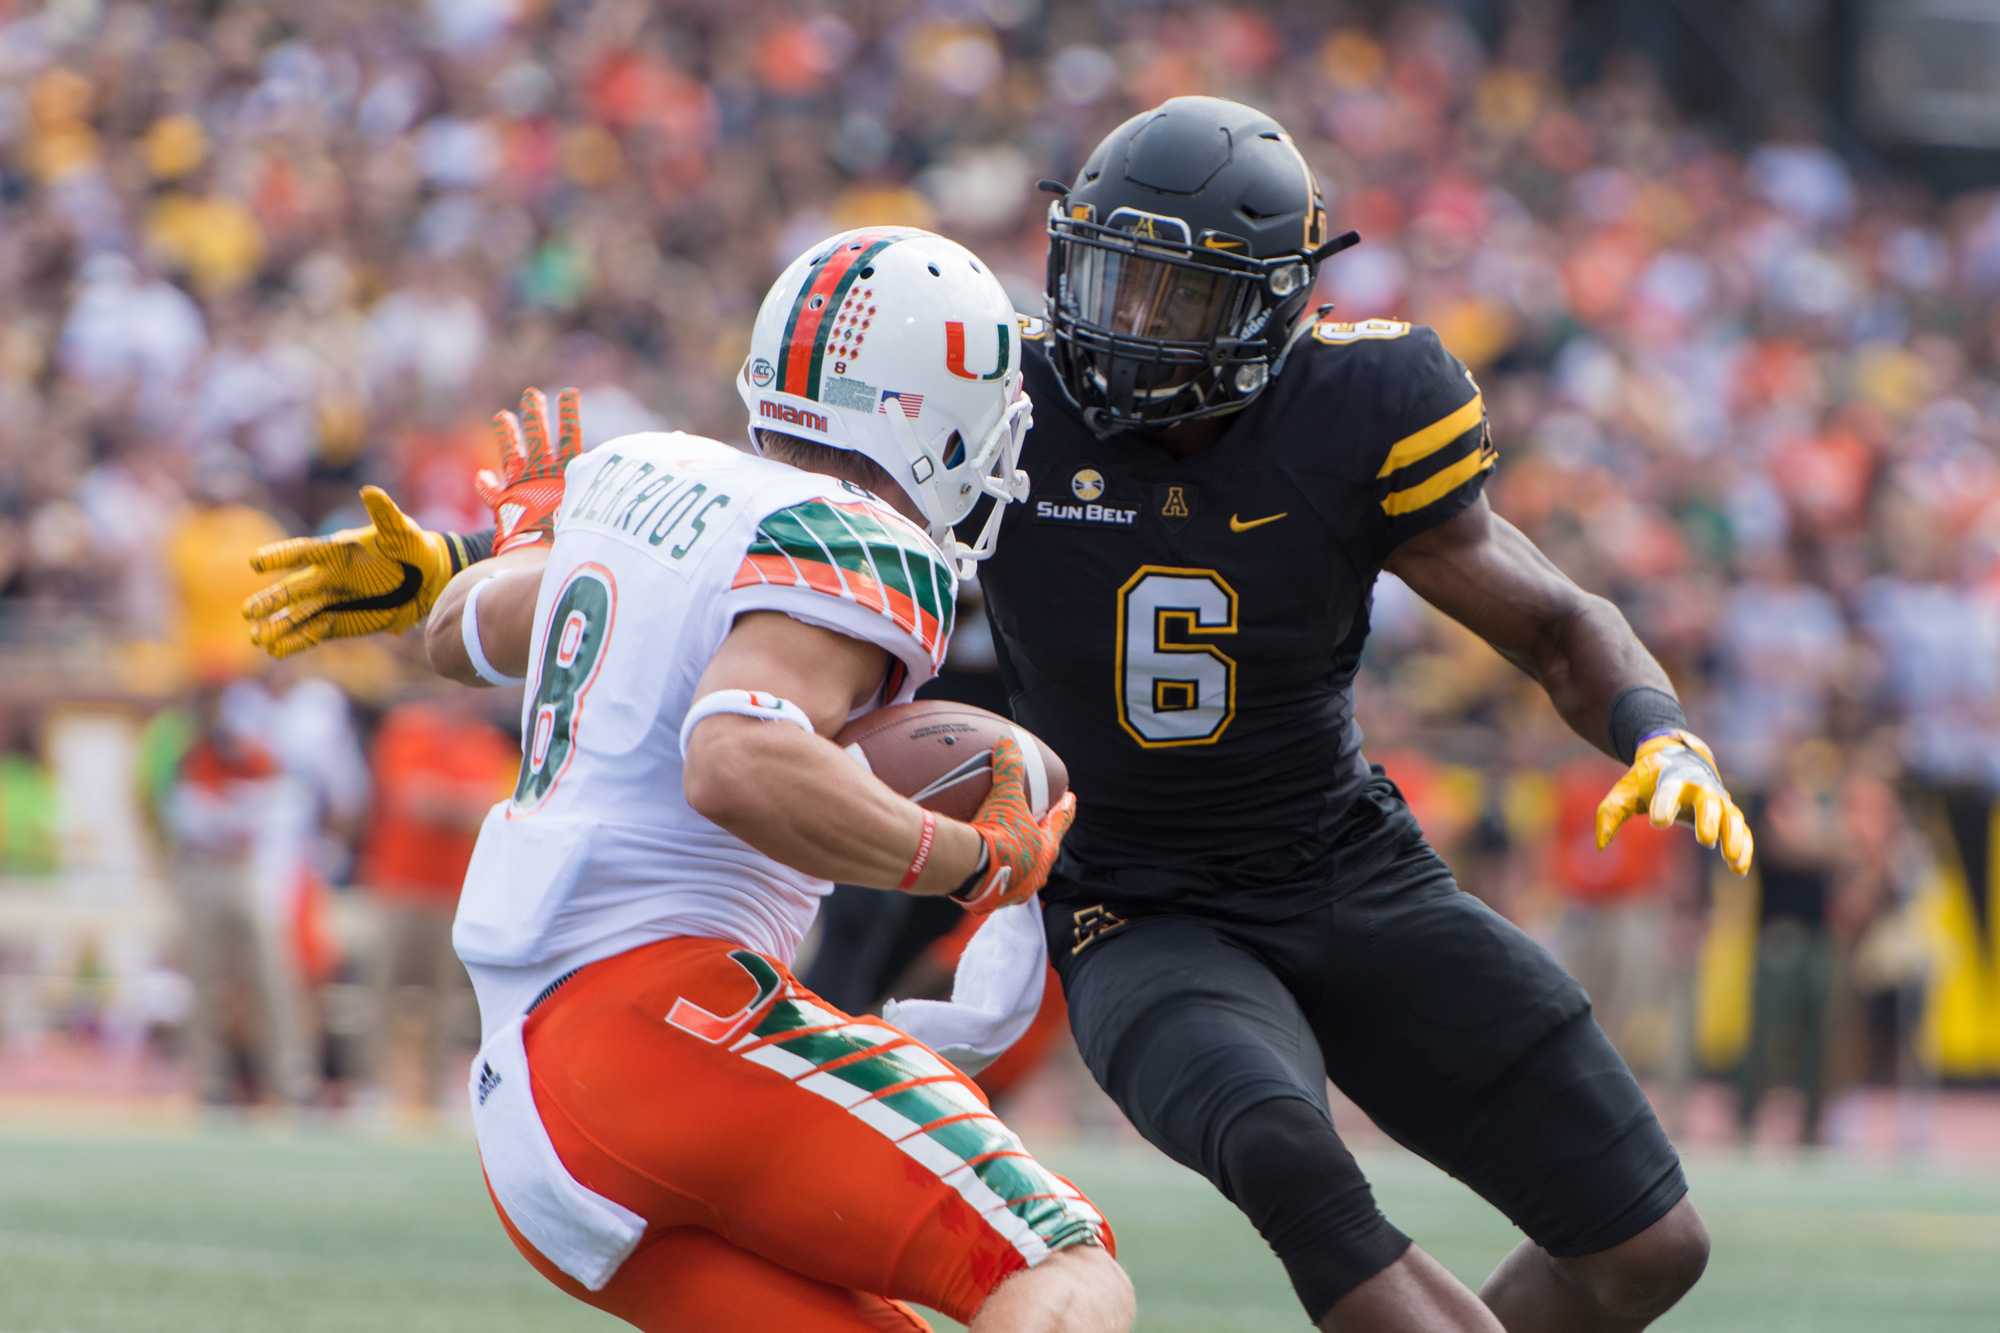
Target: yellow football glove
{"points": [[381, 579], [1674, 777]]}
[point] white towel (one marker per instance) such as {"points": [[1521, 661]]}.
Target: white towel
{"points": [[575, 1228], [994, 995]]}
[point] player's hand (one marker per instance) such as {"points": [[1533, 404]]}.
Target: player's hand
{"points": [[380, 579], [528, 489], [1674, 777], [1020, 849]]}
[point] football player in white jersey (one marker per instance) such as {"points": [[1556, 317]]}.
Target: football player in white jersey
{"points": [[673, 1128]]}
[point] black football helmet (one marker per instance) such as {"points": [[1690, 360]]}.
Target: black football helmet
{"points": [[1178, 263]]}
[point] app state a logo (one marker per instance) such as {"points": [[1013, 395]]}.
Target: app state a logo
{"points": [[1087, 484]]}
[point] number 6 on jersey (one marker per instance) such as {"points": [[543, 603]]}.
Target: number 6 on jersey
{"points": [[1172, 691]]}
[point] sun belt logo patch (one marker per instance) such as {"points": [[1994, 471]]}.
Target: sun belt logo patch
{"points": [[1087, 484]]}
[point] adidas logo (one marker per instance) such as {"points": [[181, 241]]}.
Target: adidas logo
{"points": [[510, 515], [488, 1080]]}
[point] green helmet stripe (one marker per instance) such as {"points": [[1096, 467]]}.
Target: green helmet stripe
{"points": [[854, 270]]}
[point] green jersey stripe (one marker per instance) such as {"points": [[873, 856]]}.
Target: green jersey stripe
{"points": [[865, 536], [853, 539]]}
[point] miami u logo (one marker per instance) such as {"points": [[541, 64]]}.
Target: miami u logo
{"points": [[696, 1021], [954, 352]]}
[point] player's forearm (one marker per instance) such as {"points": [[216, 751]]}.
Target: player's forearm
{"points": [[1483, 572], [506, 622], [1587, 659], [799, 800]]}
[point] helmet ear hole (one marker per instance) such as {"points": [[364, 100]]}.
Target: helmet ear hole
{"points": [[954, 450]]}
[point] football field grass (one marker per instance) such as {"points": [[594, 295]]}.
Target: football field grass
{"points": [[114, 1230]]}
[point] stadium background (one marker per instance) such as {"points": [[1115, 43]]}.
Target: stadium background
{"points": [[1726, 273]]}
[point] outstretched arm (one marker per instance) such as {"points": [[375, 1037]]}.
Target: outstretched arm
{"points": [[390, 575], [1483, 572]]}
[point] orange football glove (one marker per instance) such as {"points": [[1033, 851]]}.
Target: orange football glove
{"points": [[1674, 777], [528, 489], [1020, 849]]}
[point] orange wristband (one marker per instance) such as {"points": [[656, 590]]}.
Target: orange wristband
{"points": [[925, 840]]}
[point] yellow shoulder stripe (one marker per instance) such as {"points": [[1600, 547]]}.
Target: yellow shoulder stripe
{"points": [[1412, 498], [1421, 445]]}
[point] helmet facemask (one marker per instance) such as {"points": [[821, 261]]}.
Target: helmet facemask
{"points": [[989, 467], [1155, 329]]}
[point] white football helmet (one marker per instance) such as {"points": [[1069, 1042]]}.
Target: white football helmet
{"points": [[902, 346]]}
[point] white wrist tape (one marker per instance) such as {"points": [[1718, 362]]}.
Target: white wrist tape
{"points": [[744, 703], [468, 631]]}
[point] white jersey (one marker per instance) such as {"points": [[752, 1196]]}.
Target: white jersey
{"points": [[661, 542]]}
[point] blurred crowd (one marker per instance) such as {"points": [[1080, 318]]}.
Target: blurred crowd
{"points": [[258, 254]]}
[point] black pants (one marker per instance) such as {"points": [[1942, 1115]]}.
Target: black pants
{"points": [[1457, 1034]]}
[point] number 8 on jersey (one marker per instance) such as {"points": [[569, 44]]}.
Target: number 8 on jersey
{"points": [[573, 642]]}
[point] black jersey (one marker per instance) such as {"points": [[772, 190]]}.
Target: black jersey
{"points": [[1185, 632]]}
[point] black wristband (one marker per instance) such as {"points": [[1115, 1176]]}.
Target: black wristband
{"points": [[467, 549], [963, 892], [1640, 712]]}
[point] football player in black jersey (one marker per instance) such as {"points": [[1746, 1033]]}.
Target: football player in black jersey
{"points": [[1245, 907]]}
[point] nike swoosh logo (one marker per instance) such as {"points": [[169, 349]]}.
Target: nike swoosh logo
{"points": [[413, 578], [1238, 525]]}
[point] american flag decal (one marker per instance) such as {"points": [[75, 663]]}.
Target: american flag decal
{"points": [[911, 403]]}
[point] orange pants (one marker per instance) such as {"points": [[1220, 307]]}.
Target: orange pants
{"points": [[797, 1168]]}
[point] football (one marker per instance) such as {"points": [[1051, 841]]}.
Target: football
{"points": [[940, 755]]}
